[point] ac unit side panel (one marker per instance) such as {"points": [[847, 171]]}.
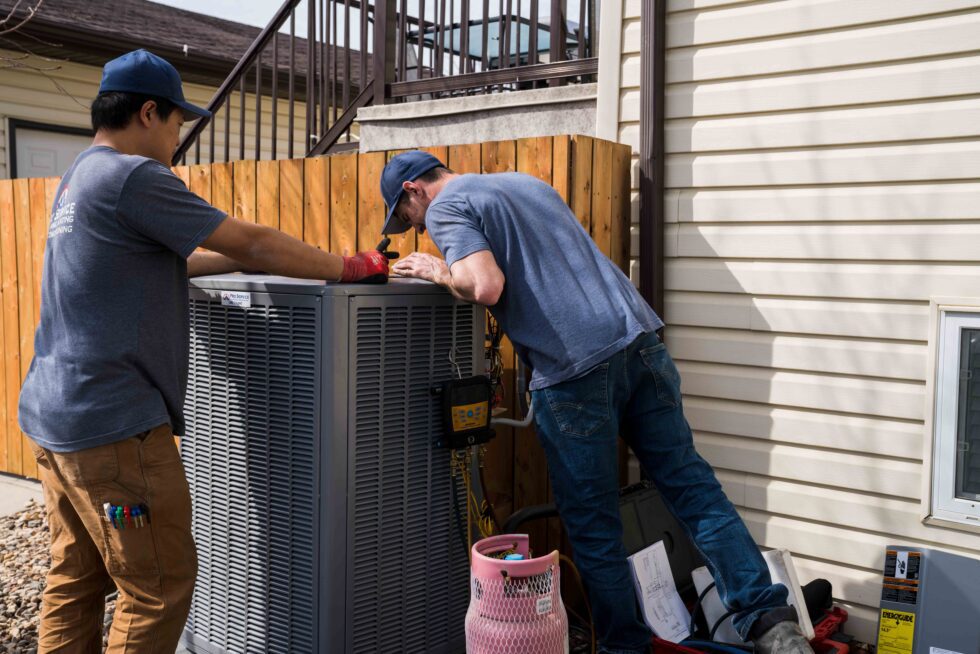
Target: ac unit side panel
{"points": [[250, 453], [336, 375], [407, 566]]}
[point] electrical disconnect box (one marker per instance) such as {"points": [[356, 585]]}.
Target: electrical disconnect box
{"points": [[326, 519], [930, 603]]}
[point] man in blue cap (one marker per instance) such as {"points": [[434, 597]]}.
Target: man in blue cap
{"points": [[104, 394], [600, 371]]}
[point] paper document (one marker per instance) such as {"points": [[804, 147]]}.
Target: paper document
{"points": [[663, 609]]}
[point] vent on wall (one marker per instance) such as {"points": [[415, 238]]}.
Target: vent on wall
{"points": [[324, 517]]}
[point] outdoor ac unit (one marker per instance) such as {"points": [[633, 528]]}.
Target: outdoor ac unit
{"points": [[325, 518]]}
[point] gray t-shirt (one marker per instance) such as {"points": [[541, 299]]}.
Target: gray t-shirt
{"points": [[111, 348], [565, 306]]}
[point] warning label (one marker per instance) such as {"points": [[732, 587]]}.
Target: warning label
{"points": [[895, 632], [901, 577], [899, 593], [902, 565]]}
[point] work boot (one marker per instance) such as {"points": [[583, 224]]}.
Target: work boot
{"points": [[784, 637]]}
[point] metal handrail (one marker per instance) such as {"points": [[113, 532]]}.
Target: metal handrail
{"points": [[392, 66], [237, 74], [344, 122], [514, 75]]}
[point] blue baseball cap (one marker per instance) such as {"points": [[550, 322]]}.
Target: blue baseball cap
{"points": [[145, 73], [406, 167]]}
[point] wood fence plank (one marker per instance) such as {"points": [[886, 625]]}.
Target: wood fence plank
{"points": [[619, 215], [580, 191], [464, 159], [499, 457], [370, 205], [11, 324], [501, 463], [40, 214], [563, 180], [424, 241], [291, 197], [223, 187], [602, 195], [343, 204], [561, 157], [531, 487], [8, 311], [25, 301], [407, 242], [499, 157], [534, 157], [40, 218], [243, 190], [267, 193], [316, 194], [200, 181]]}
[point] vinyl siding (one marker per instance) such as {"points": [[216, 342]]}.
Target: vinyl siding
{"points": [[823, 176], [60, 93]]}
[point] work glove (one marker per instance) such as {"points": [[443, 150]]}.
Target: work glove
{"points": [[370, 265]]}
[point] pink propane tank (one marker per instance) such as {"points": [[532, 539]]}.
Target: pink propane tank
{"points": [[515, 605]]}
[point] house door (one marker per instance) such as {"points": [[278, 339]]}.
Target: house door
{"points": [[43, 150]]}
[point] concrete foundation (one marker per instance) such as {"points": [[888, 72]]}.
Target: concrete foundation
{"points": [[479, 118]]}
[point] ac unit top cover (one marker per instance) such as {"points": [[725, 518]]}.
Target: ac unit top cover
{"points": [[261, 283]]}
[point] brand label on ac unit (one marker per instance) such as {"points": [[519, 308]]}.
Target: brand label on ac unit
{"points": [[236, 299]]}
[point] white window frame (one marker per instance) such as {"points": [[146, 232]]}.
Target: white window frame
{"points": [[949, 316]]}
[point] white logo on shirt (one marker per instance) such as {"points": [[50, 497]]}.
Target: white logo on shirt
{"points": [[63, 216]]}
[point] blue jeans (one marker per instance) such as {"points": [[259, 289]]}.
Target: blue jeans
{"points": [[636, 393]]}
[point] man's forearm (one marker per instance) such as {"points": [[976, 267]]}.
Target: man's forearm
{"points": [[212, 263], [459, 291], [280, 254]]}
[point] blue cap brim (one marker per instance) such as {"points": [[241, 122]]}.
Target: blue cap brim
{"points": [[394, 224], [192, 112]]}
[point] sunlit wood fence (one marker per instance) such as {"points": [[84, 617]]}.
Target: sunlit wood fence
{"points": [[334, 203]]}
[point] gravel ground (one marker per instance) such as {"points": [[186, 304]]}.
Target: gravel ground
{"points": [[23, 564]]}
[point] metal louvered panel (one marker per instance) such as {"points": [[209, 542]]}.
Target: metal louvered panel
{"points": [[408, 571], [250, 453], [324, 517]]}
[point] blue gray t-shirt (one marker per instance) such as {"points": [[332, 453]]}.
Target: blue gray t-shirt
{"points": [[565, 306], [111, 348]]}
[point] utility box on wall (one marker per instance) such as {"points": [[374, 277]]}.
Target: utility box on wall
{"points": [[325, 518]]}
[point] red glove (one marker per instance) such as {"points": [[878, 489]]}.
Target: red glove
{"points": [[363, 265]]}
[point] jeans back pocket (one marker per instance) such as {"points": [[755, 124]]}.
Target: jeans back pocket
{"points": [[668, 381], [581, 405]]}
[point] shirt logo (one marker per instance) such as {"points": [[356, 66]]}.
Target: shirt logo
{"points": [[62, 216]]}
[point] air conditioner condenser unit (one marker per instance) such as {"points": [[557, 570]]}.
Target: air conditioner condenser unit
{"points": [[325, 518]]}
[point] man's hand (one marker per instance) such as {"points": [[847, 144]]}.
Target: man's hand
{"points": [[475, 278], [363, 265], [424, 266]]}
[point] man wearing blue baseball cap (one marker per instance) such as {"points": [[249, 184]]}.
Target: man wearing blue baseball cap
{"points": [[600, 371], [104, 394]]}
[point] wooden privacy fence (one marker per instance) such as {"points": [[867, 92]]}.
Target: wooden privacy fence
{"points": [[333, 203]]}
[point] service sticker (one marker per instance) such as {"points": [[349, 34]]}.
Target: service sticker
{"points": [[895, 632], [236, 299]]}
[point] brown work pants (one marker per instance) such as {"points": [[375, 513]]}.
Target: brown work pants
{"points": [[153, 567]]}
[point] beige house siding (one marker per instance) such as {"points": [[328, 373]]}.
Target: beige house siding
{"points": [[823, 183], [28, 94]]}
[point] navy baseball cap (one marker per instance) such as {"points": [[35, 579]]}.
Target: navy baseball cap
{"points": [[145, 73], [406, 167]]}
